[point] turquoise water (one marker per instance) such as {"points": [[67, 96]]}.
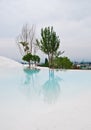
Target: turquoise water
{"points": [[43, 84], [26, 94]]}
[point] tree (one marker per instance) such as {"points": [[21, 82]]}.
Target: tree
{"points": [[26, 40], [49, 43], [36, 59], [28, 58], [27, 44], [62, 62]]}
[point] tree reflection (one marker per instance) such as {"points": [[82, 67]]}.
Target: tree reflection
{"points": [[29, 82], [30, 74], [51, 88], [34, 86]]}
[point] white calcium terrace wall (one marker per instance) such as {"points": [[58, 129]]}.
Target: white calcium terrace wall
{"points": [[6, 62]]}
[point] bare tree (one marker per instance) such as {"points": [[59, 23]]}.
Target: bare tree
{"points": [[26, 40]]}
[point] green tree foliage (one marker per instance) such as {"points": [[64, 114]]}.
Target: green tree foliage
{"points": [[62, 62], [49, 43], [29, 57], [25, 46], [36, 59]]}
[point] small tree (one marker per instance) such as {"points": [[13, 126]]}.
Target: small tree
{"points": [[36, 59], [26, 40], [26, 43], [62, 62], [28, 58], [49, 43]]}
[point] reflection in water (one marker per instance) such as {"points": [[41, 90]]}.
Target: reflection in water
{"points": [[51, 88], [29, 83], [34, 86], [30, 74]]}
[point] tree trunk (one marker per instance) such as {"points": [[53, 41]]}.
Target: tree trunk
{"points": [[52, 60], [49, 59], [29, 65]]}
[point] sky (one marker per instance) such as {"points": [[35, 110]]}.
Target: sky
{"points": [[71, 20]]}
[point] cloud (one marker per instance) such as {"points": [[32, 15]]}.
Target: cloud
{"points": [[71, 19]]}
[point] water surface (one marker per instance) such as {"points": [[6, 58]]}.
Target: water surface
{"points": [[45, 99]]}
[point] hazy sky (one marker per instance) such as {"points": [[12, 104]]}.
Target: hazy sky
{"points": [[71, 20]]}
